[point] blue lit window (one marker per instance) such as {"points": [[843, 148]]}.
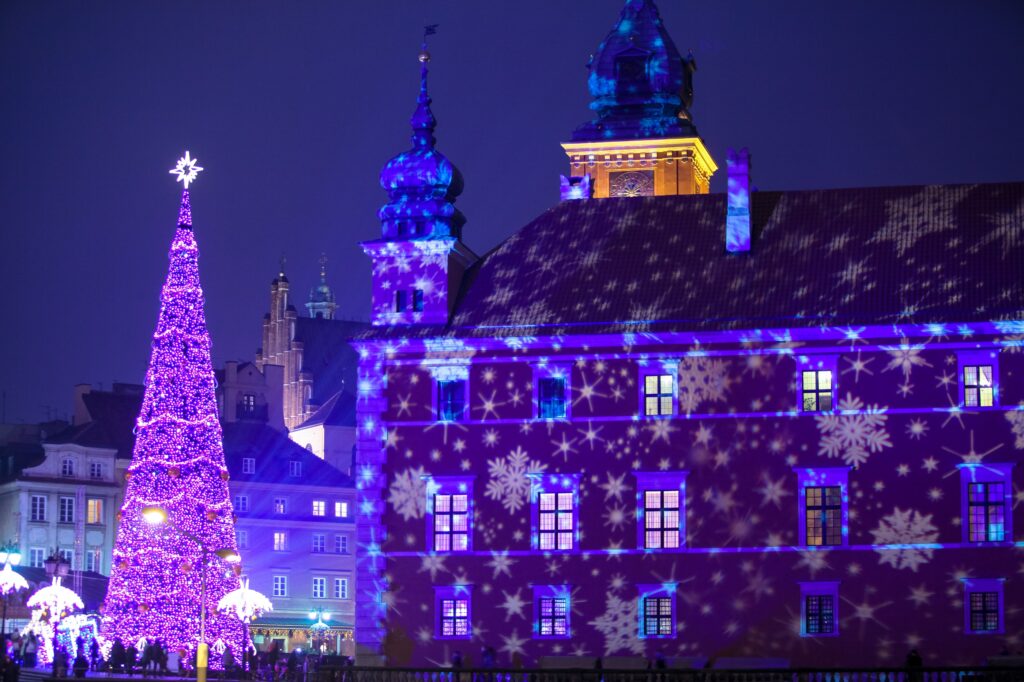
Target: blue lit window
{"points": [[551, 397], [417, 300], [401, 302], [554, 616], [819, 604], [657, 610], [986, 494], [451, 400]]}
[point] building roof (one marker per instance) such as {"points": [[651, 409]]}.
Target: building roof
{"points": [[273, 452], [328, 355], [921, 254], [112, 420], [339, 410], [16, 457]]}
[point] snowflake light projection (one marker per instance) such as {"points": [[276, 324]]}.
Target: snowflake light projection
{"points": [[50, 605], [178, 465], [186, 169]]}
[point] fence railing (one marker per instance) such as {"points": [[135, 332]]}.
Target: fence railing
{"points": [[894, 674]]}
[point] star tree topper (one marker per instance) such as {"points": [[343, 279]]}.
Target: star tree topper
{"points": [[186, 170]]}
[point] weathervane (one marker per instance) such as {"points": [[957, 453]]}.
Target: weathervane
{"points": [[186, 169]]}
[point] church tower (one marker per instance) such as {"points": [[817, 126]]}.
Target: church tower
{"points": [[419, 261], [322, 304], [641, 141]]}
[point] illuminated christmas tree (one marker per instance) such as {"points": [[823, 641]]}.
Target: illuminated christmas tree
{"points": [[178, 471]]}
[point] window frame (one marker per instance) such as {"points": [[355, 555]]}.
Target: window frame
{"points": [[242, 537], [279, 581], [38, 503], [660, 481], [96, 471], [656, 591], [987, 472], [94, 560], [36, 556], [295, 468], [817, 363], [319, 508], [542, 592], [94, 511], [438, 388], [547, 371], [984, 585], [341, 509], [977, 358], [248, 465], [341, 588], [279, 546], [241, 503], [824, 478], [660, 367], [318, 585], [322, 538], [66, 503], [280, 506], [448, 485], [67, 467], [819, 589], [452, 592], [341, 544], [546, 484]]}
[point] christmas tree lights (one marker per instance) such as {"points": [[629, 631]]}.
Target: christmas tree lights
{"points": [[51, 606], [177, 465]]}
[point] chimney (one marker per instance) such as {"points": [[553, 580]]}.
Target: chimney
{"points": [[81, 415], [737, 219]]}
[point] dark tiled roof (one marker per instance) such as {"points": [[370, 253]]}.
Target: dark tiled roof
{"points": [[273, 451], [831, 257], [16, 457], [327, 354], [339, 410], [112, 425]]}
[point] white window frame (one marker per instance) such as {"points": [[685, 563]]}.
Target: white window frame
{"points": [[341, 588], [319, 507], [241, 503], [978, 358], [817, 363], [248, 465], [661, 368], [280, 586], [319, 590]]}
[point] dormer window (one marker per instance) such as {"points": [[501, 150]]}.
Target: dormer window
{"points": [[67, 467]]}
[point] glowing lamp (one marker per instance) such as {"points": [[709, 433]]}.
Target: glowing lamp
{"points": [[154, 515], [229, 556]]}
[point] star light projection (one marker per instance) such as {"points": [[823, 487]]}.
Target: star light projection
{"points": [[178, 465]]}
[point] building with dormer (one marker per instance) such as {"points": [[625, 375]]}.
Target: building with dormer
{"points": [[741, 429]]}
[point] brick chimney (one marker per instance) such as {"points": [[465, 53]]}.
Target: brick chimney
{"points": [[737, 220]]}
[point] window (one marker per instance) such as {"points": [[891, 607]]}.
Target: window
{"points": [[242, 538], [241, 503], [341, 588], [816, 388], [658, 393], [453, 610], [67, 510], [983, 606], [660, 504], [824, 511], [94, 560], [36, 557], [280, 541], [818, 609], [280, 586], [248, 465], [417, 300], [553, 511], [319, 542], [341, 510], [556, 521], [280, 505], [319, 507], [978, 387], [657, 610], [68, 556], [37, 510], [986, 495], [551, 611], [96, 470], [341, 544], [824, 506], [249, 402], [67, 467], [319, 588], [295, 468], [551, 398], [94, 510], [451, 523], [401, 301], [451, 400]]}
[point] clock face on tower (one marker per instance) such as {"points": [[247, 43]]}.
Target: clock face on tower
{"points": [[631, 184]]}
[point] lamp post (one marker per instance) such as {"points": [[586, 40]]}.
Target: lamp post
{"points": [[10, 582], [319, 628], [158, 516], [56, 567]]}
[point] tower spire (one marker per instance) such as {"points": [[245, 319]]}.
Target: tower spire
{"points": [[322, 303], [423, 122]]}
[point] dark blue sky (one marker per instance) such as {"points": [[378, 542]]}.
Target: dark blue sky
{"points": [[293, 107]]}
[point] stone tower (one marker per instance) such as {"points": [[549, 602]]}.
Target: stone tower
{"points": [[642, 140], [322, 304]]}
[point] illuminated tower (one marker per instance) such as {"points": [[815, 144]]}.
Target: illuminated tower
{"points": [[322, 303], [641, 141], [419, 260]]}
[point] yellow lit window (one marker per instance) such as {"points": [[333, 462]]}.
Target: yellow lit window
{"points": [[817, 391], [658, 394], [978, 386], [94, 511]]}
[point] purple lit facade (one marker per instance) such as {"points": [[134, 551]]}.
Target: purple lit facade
{"points": [[771, 426]]}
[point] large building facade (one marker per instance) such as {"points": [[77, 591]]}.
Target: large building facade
{"points": [[768, 428]]}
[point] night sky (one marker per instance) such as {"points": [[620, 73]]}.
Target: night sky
{"points": [[293, 107]]}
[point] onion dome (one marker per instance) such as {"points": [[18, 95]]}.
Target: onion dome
{"points": [[421, 183], [640, 86]]}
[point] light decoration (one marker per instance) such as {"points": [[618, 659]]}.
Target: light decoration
{"points": [[50, 605], [177, 465], [186, 169], [11, 582]]}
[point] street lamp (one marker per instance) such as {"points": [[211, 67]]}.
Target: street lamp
{"points": [[158, 516], [10, 582], [319, 628], [56, 567]]}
